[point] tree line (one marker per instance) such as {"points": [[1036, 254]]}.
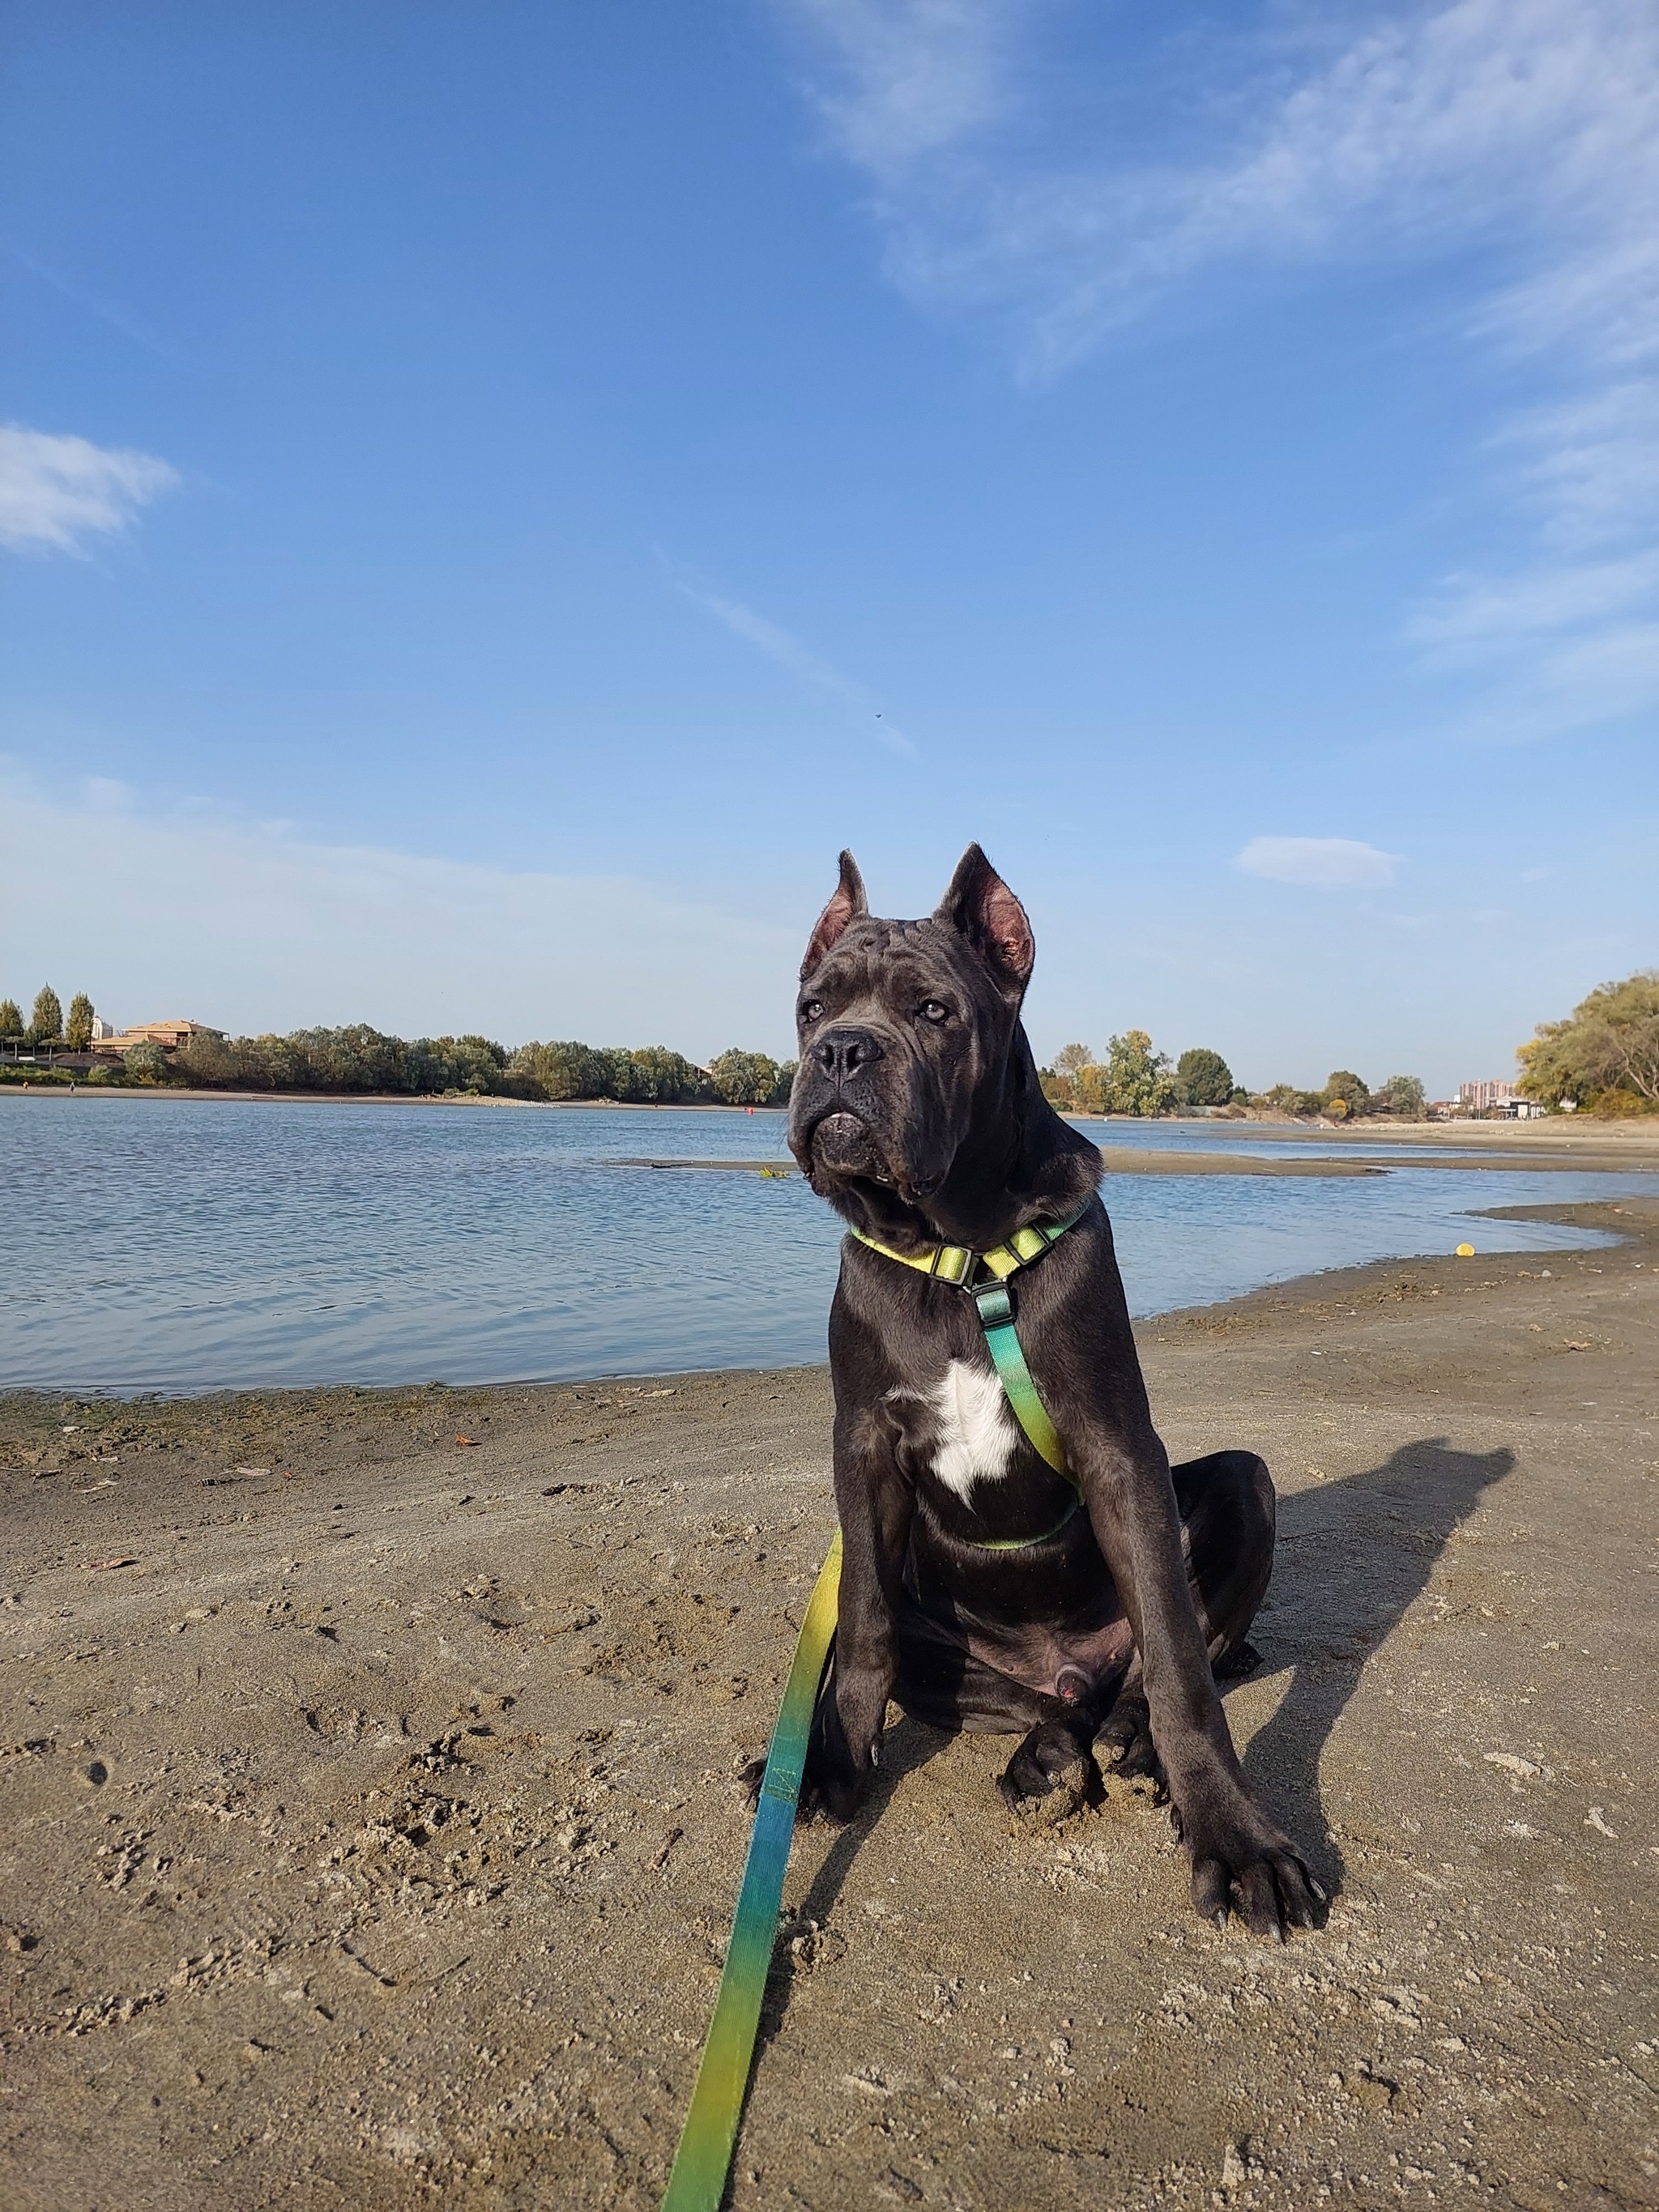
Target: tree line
{"points": [[1135, 1080], [48, 1025], [359, 1059], [1602, 1058]]}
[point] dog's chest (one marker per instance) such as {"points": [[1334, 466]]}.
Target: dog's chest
{"points": [[963, 1429]]}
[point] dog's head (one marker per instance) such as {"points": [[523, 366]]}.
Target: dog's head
{"points": [[910, 1041]]}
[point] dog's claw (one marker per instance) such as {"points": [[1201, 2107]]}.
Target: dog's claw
{"points": [[1221, 1920]]}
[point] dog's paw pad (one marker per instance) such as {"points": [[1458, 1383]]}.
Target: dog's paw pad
{"points": [[1040, 1800], [1129, 1785]]}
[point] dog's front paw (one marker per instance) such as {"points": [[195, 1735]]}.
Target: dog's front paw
{"points": [[1244, 1863], [1130, 1768], [1050, 1778], [840, 1759]]}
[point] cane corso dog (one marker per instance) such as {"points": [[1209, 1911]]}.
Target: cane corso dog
{"points": [[972, 1591]]}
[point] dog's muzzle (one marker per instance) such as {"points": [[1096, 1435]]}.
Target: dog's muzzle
{"points": [[842, 1145]]}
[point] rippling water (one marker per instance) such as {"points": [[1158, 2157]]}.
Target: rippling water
{"points": [[176, 1243]]}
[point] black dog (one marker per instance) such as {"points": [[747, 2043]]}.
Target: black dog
{"points": [[972, 1589]]}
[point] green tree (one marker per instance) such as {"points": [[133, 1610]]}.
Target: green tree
{"points": [[11, 1018], [785, 1084], [146, 1063], [652, 1076], [744, 1079], [46, 1022], [77, 1029], [1138, 1079], [1069, 1084], [1203, 1078], [561, 1070], [1344, 1090], [1604, 1053], [464, 1063], [208, 1057], [1404, 1097]]}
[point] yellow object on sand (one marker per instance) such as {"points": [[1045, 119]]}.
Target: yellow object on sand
{"points": [[1466, 1251]]}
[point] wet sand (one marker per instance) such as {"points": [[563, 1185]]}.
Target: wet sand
{"points": [[371, 1835]]}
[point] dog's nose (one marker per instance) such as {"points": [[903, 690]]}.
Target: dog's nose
{"points": [[841, 1053]]}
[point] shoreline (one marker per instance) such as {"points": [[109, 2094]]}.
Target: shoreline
{"points": [[364, 1774], [1639, 1133]]}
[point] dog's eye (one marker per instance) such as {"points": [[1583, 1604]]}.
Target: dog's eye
{"points": [[811, 1009], [933, 1010]]}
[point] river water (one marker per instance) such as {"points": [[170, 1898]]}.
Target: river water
{"points": [[158, 1244]]}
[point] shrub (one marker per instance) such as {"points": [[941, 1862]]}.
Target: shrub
{"points": [[146, 1063]]}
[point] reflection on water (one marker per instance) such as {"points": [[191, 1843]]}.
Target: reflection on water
{"points": [[194, 1245]]}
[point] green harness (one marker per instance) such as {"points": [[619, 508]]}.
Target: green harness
{"points": [[697, 2182], [993, 1301]]}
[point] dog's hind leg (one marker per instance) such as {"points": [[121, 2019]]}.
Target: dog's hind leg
{"points": [[1226, 1502], [1226, 1505], [946, 1685]]}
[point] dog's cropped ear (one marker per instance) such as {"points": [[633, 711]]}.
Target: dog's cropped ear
{"points": [[848, 904], [982, 907]]}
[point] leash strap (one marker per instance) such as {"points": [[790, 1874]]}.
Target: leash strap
{"points": [[996, 1318], [710, 2134]]}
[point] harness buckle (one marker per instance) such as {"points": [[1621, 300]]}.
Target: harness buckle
{"points": [[995, 1303]]}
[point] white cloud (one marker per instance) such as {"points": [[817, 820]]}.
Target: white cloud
{"points": [[1525, 129], [800, 660], [908, 76], [250, 927], [54, 491], [1324, 864], [1497, 119]]}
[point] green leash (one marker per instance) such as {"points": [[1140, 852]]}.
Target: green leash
{"points": [[710, 2134], [697, 2183]]}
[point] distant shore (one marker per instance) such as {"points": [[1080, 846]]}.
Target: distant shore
{"points": [[1557, 1143]]}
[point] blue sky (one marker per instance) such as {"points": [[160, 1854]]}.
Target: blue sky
{"points": [[495, 497]]}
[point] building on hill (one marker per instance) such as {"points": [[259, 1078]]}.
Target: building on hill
{"points": [[168, 1034]]}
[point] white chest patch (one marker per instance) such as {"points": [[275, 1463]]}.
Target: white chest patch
{"points": [[977, 1433]]}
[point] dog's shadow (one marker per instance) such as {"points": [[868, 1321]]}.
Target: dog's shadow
{"points": [[1352, 1557]]}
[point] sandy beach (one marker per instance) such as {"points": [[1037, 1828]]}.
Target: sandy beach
{"points": [[371, 1832]]}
